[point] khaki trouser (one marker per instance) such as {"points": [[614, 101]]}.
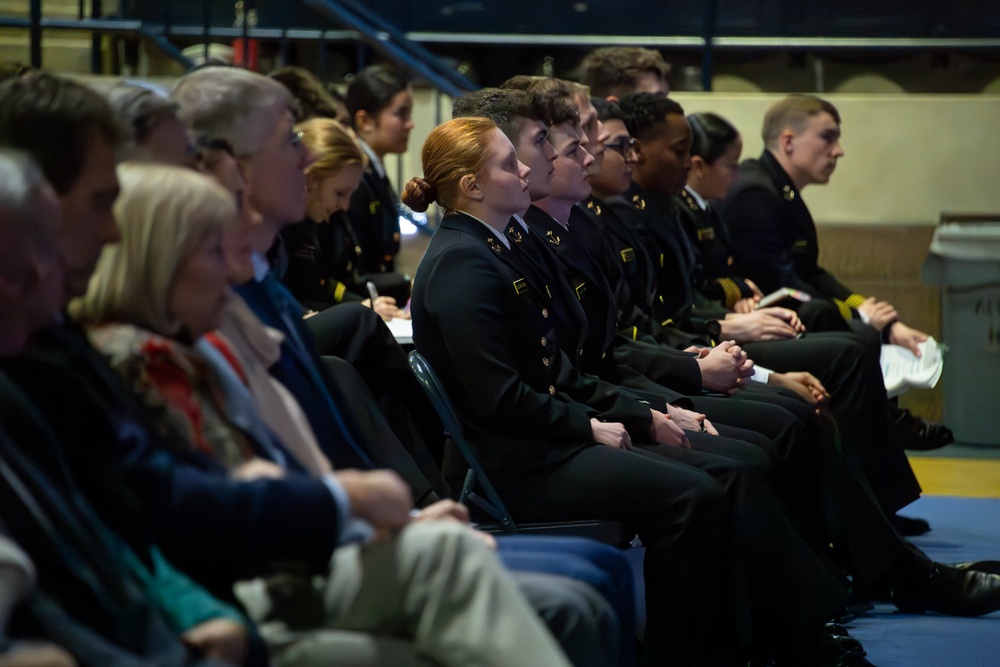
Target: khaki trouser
{"points": [[433, 594]]}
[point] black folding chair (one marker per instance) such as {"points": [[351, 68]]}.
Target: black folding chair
{"points": [[609, 532]]}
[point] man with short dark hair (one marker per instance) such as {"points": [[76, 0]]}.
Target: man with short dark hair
{"points": [[772, 229], [616, 71], [72, 135], [775, 238]]}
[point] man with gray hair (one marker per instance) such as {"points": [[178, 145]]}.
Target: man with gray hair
{"points": [[251, 116], [156, 134]]}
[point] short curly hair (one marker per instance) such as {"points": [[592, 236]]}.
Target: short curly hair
{"points": [[614, 70]]}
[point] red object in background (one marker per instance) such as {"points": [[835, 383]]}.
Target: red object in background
{"points": [[252, 53]]}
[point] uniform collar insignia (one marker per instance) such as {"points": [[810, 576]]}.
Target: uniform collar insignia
{"points": [[553, 239], [494, 246], [594, 207], [692, 204], [788, 192], [514, 234], [639, 202]]}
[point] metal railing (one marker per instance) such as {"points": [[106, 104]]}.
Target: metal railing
{"points": [[362, 26]]}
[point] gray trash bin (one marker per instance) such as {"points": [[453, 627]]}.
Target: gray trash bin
{"points": [[964, 260]]}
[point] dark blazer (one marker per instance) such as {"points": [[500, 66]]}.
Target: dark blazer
{"points": [[91, 598], [713, 253], [672, 294], [300, 369], [348, 422], [774, 235], [605, 353], [188, 498], [846, 364], [485, 325], [323, 260], [375, 220]]}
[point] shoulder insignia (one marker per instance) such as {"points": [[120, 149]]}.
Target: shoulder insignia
{"points": [[628, 255], [514, 234], [692, 204], [520, 286], [706, 234], [639, 202], [788, 193], [553, 239], [373, 207], [594, 207], [494, 246]]}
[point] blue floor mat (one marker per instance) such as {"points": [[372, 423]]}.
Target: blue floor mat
{"points": [[962, 529]]}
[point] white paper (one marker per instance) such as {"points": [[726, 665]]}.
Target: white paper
{"points": [[904, 370], [402, 330]]}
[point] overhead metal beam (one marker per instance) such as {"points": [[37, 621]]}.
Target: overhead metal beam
{"points": [[392, 43], [690, 41]]}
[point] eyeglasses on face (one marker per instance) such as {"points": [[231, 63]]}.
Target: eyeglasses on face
{"points": [[622, 145]]}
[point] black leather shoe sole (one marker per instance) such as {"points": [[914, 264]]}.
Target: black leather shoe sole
{"points": [[918, 434], [908, 526], [950, 591]]}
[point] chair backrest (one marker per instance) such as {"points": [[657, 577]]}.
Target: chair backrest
{"points": [[476, 476], [609, 532]]}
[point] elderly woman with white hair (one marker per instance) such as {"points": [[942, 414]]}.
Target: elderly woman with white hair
{"points": [[157, 292]]}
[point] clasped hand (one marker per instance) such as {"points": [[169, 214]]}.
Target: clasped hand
{"points": [[764, 324], [725, 368]]}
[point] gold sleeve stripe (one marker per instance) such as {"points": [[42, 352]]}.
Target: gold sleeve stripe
{"points": [[338, 292], [854, 300], [731, 291]]}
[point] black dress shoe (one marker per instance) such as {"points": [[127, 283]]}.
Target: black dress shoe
{"points": [[909, 526], [918, 434], [837, 629], [850, 644], [950, 591], [987, 566]]}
